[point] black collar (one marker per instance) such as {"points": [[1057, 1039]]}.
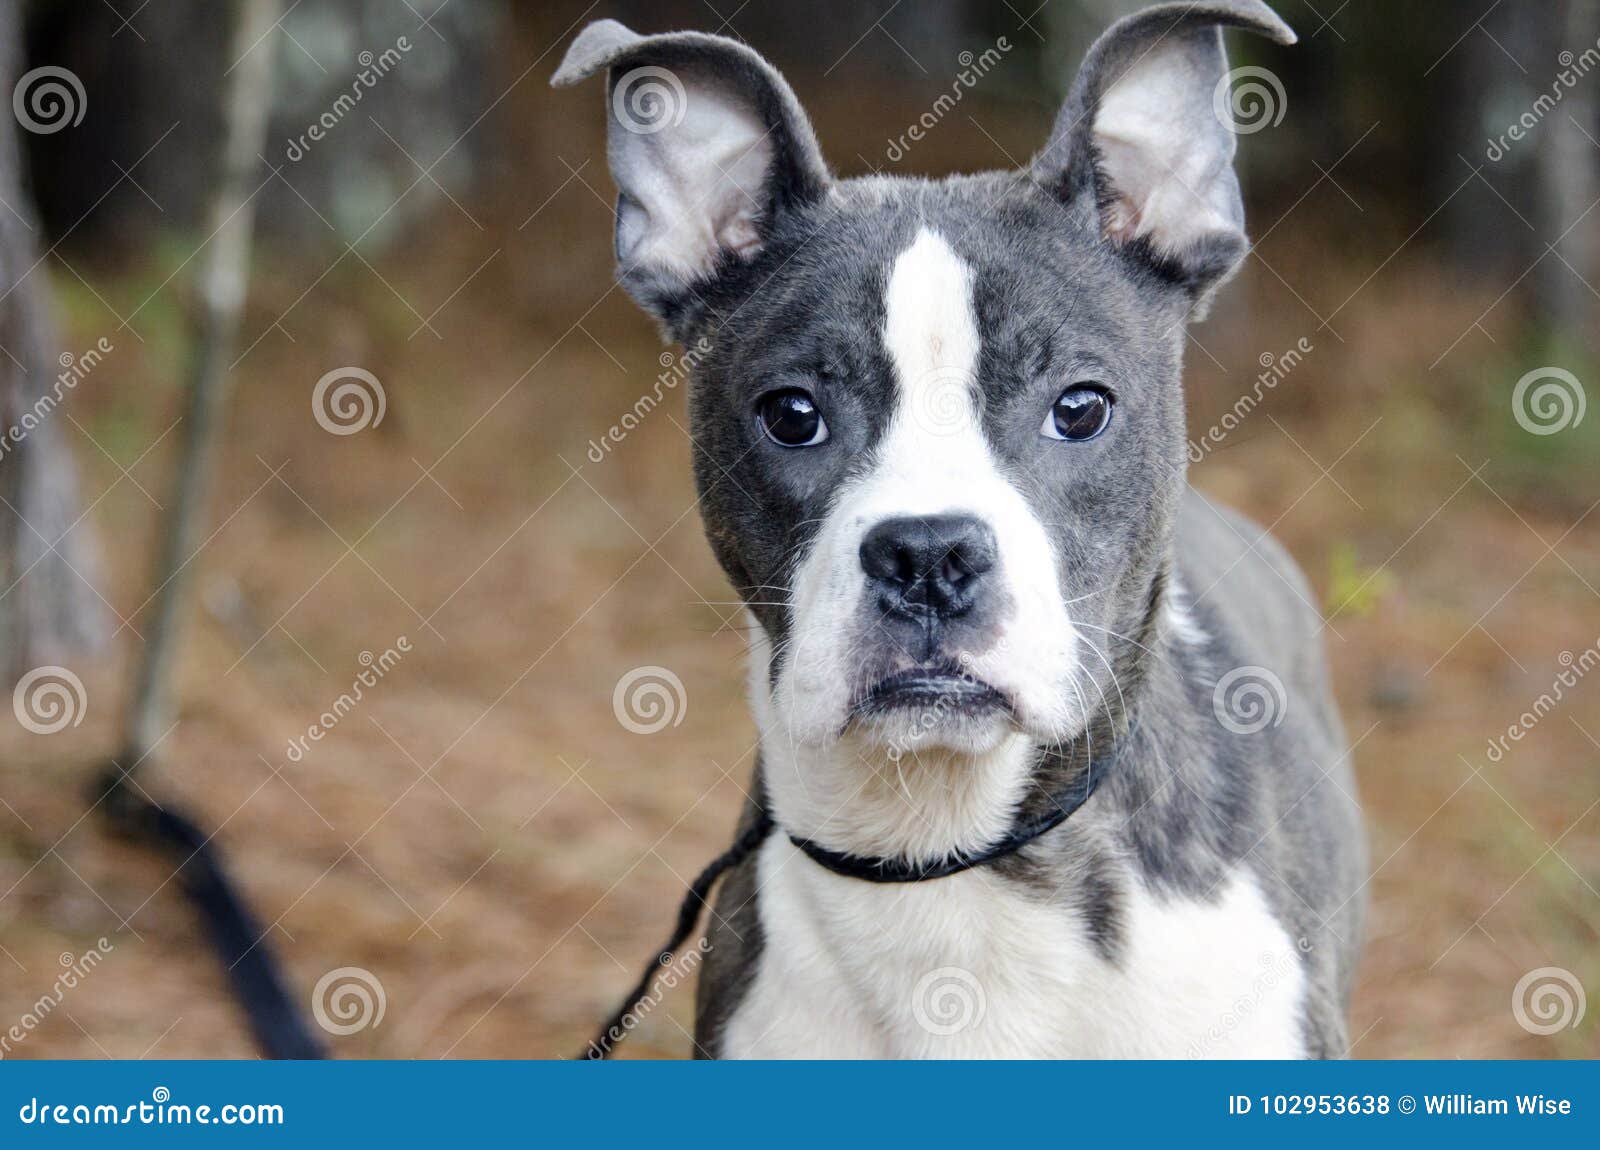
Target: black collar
{"points": [[1062, 806], [851, 866]]}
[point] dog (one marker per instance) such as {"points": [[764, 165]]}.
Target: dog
{"points": [[939, 442]]}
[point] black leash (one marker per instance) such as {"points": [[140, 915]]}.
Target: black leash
{"points": [[688, 918], [881, 870], [240, 941]]}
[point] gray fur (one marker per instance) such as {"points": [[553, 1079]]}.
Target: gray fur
{"points": [[1057, 297]]}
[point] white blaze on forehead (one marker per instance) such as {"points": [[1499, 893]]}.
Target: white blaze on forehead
{"points": [[933, 457], [931, 331]]}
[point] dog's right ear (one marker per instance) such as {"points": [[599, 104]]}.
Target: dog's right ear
{"points": [[708, 147]]}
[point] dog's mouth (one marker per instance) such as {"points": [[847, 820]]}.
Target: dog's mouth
{"points": [[937, 691]]}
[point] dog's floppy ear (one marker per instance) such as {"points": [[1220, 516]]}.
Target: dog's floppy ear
{"points": [[707, 145], [1145, 139]]}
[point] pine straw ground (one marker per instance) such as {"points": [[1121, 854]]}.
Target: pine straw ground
{"points": [[484, 837]]}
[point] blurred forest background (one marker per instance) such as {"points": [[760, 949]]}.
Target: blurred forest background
{"points": [[481, 837]]}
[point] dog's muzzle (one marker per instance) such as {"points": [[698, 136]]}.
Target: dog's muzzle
{"points": [[931, 593]]}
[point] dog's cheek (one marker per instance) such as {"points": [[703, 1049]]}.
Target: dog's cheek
{"points": [[1039, 648], [812, 694]]}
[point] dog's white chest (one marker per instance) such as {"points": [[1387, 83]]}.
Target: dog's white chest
{"points": [[973, 967]]}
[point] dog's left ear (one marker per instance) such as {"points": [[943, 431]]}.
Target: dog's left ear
{"points": [[707, 145], [1145, 140]]}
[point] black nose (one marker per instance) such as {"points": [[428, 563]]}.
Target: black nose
{"points": [[928, 565]]}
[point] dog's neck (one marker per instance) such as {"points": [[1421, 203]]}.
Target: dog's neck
{"points": [[924, 803]]}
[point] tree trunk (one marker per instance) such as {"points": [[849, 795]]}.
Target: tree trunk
{"points": [[48, 568], [223, 278], [1566, 175]]}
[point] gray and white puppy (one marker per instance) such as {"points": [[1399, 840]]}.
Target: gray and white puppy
{"points": [[939, 443]]}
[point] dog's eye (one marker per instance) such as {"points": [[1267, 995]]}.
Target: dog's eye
{"points": [[791, 419], [1079, 413]]}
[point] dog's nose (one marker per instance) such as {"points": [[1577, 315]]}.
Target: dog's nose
{"points": [[928, 565]]}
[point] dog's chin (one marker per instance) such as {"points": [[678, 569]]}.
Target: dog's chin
{"points": [[931, 709]]}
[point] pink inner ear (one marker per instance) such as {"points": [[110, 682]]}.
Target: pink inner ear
{"points": [[1121, 221], [1122, 166], [699, 176], [739, 235], [1164, 153]]}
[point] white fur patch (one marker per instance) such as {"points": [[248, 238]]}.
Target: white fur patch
{"points": [[972, 967], [1181, 623], [933, 460]]}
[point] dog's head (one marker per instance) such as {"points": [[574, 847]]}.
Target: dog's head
{"points": [[938, 428]]}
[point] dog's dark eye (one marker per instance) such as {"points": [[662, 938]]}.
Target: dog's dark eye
{"points": [[1081, 412], [791, 419]]}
